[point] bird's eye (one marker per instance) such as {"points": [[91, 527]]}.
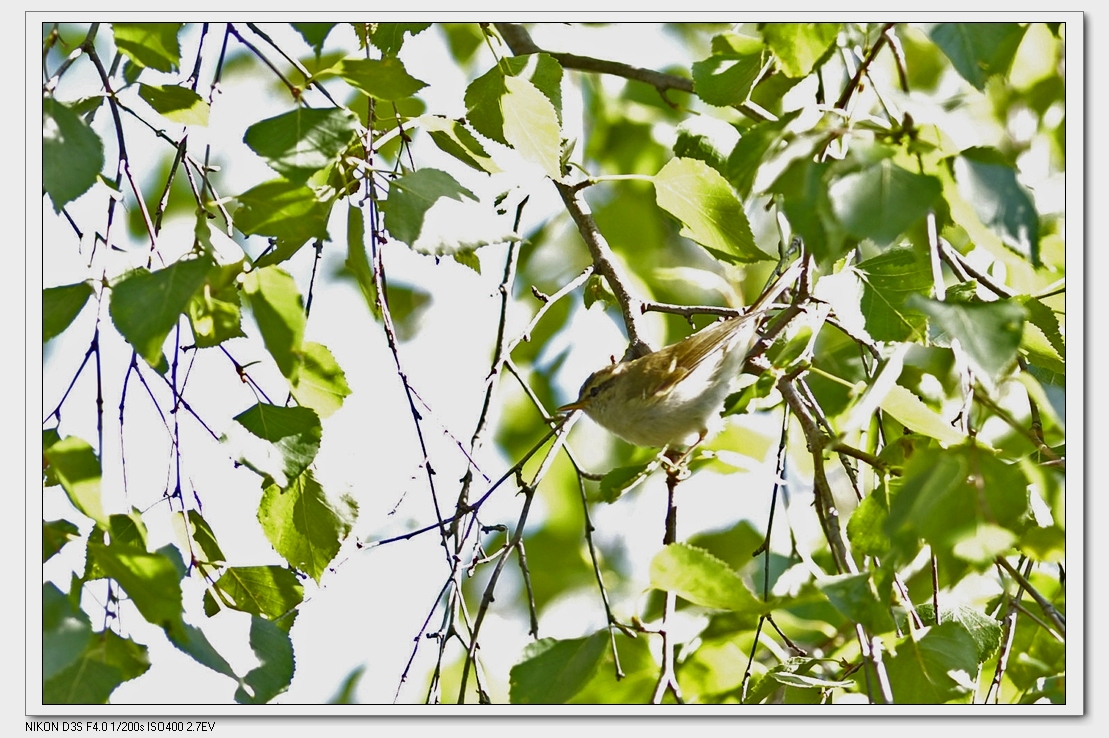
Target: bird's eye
{"points": [[594, 390]]}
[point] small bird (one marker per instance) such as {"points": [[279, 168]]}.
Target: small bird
{"points": [[666, 398]]}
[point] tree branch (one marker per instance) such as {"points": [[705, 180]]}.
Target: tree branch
{"points": [[519, 41]]}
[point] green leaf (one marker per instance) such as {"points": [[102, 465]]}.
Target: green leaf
{"points": [[882, 201], [72, 154], [66, 631], [75, 465], [321, 383], [890, 282], [145, 306], [152, 45], [1001, 202], [619, 480], [696, 575], [389, 37], [934, 666], [278, 311], [793, 672], [989, 332], [382, 79], [303, 141], [911, 412], [708, 208], [268, 591], [151, 580], [274, 650], [531, 125], [1043, 318], [984, 630], [128, 528], [1045, 544], [61, 305], [866, 527], [205, 538], [856, 597], [413, 195], [484, 94], [289, 440], [214, 311], [345, 695], [552, 671], [454, 138], [107, 661], [304, 524], [55, 535], [290, 212], [803, 196], [748, 156], [192, 641], [176, 103], [314, 34], [955, 500], [358, 261], [979, 50], [799, 46], [708, 139], [727, 79]]}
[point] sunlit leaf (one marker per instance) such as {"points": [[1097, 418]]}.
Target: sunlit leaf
{"points": [[72, 154], [799, 46], [484, 94], [306, 525], [176, 103], [882, 200], [890, 281], [358, 261], [314, 34], [979, 50], [453, 137], [285, 441], [66, 631], [726, 79], [151, 581], [278, 311], [290, 212], [274, 650], [531, 125], [552, 671], [321, 383], [303, 141], [696, 575], [61, 305], [989, 332], [145, 306], [152, 45], [389, 37], [990, 185], [952, 497], [855, 596], [708, 208], [803, 191], [214, 311], [56, 534], [75, 465], [383, 79], [934, 666], [269, 591]]}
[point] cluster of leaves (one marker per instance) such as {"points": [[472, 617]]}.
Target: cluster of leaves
{"points": [[928, 353]]}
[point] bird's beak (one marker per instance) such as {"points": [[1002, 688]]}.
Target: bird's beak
{"points": [[572, 406]]}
